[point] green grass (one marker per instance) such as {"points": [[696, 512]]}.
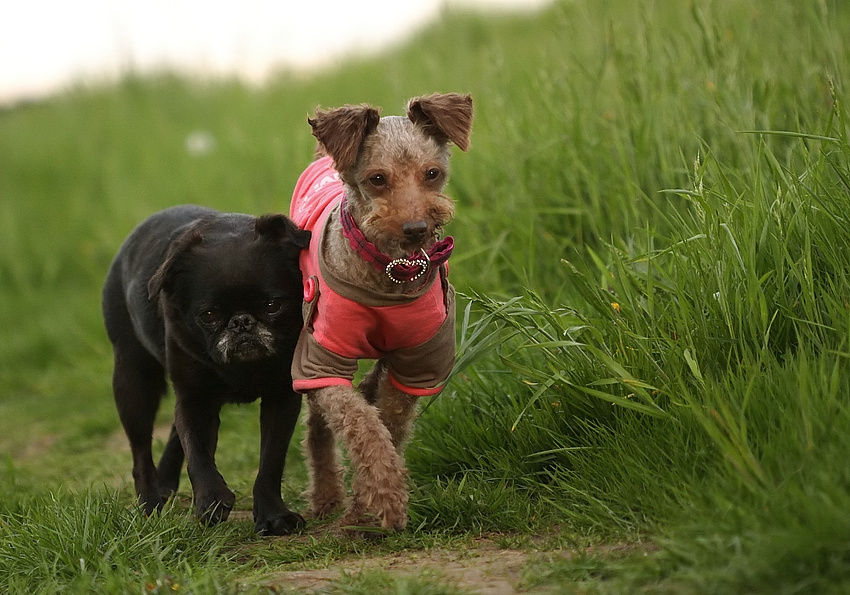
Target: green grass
{"points": [[654, 253]]}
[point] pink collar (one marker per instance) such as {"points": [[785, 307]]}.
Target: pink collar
{"points": [[399, 270]]}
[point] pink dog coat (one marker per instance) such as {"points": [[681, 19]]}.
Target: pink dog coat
{"points": [[414, 333]]}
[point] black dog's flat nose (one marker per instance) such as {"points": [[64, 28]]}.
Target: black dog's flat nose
{"points": [[242, 322], [414, 229]]}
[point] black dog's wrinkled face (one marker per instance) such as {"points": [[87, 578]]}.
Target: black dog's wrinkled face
{"points": [[240, 323], [233, 294]]}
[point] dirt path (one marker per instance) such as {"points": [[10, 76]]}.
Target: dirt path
{"points": [[484, 569]]}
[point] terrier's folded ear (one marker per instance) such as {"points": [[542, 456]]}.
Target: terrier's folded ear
{"points": [[341, 131], [446, 117]]}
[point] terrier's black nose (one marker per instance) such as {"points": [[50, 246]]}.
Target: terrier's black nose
{"points": [[414, 229]]}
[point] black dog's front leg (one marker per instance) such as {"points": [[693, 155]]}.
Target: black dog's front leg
{"points": [[278, 417], [197, 421]]}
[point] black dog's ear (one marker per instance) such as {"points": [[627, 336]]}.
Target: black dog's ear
{"points": [[159, 280], [341, 131], [281, 227], [446, 117]]}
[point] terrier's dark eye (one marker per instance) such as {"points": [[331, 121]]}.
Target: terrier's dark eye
{"points": [[432, 174], [272, 307], [378, 180], [209, 317]]}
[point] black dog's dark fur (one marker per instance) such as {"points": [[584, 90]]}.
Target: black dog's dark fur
{"points": [[213, 302]]}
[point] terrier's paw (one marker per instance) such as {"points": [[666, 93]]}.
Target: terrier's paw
{"points": [[395, 520], [356, 524], [387, 516], [391, 508]]}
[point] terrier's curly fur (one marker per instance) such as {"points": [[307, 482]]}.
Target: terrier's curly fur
{"points": [[392, 171]]}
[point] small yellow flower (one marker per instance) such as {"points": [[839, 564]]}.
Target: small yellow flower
{"points": [[616, 307]]}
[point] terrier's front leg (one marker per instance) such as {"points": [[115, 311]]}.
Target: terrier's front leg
{"points": [[378, 484]]}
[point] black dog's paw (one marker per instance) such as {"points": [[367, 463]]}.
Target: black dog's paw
{"points": [[212, 510], [285, 522], [151, 504], [166, 493]]}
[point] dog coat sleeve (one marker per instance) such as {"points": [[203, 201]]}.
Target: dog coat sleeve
{"points": [[423, 370], [420, 370], [314, 366]]}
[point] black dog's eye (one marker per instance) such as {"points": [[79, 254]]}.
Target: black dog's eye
{"points": [[378, 180], [209, 317], [272, 307]]}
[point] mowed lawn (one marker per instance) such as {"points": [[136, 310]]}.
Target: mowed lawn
{"points": [[653, 251]]}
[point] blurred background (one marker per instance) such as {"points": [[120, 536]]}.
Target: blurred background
{"points": [[47, 45]]}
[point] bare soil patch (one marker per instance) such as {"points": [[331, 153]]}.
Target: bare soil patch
{"points": [[484, 566], [484, 569]]}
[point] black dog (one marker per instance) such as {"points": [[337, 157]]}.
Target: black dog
{"points": [[213, 301]]}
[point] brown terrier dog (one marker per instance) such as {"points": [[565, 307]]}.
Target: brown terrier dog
{"points": [[375, 287]]}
